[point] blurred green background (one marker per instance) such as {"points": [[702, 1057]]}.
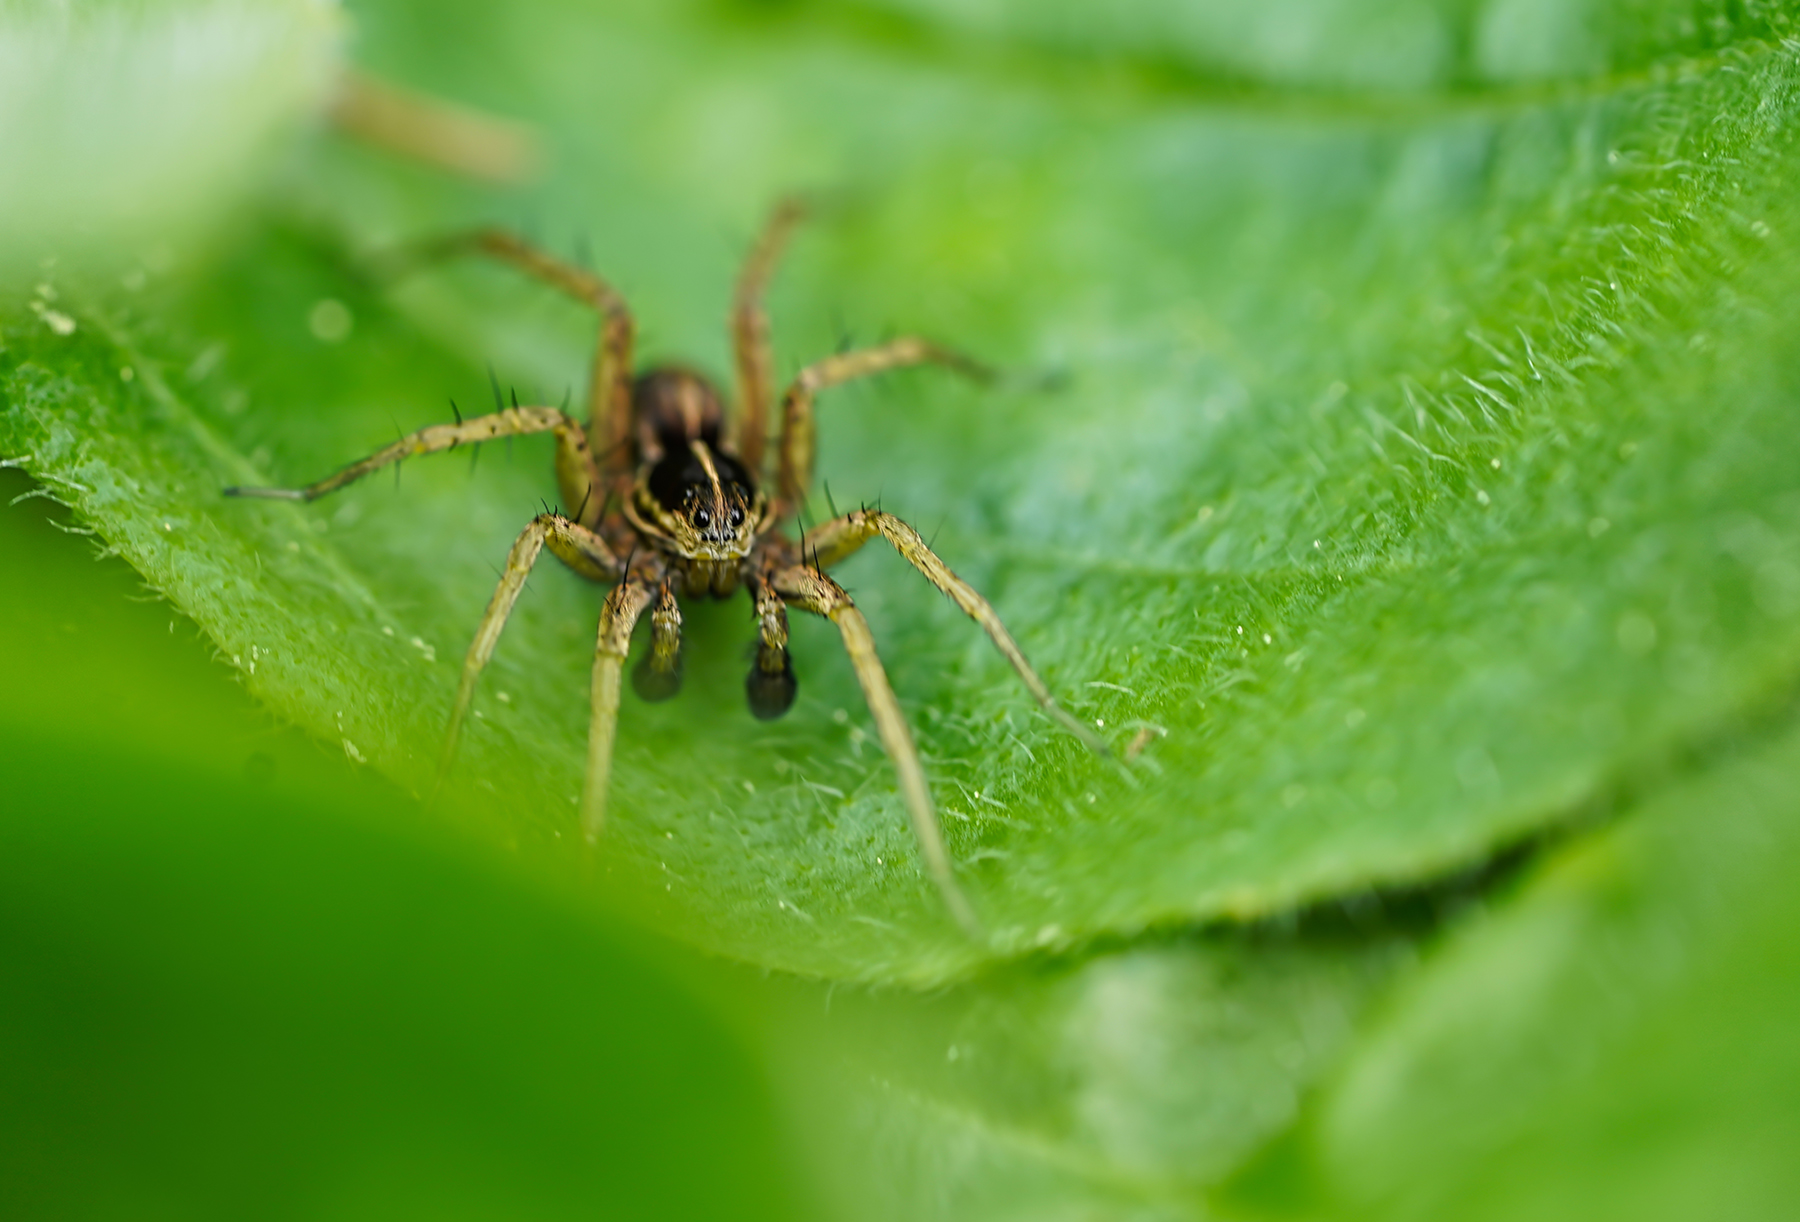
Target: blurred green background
{"points": [[1395, 457]]}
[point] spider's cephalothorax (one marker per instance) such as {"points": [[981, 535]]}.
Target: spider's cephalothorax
{"points": [[674, 500], [693, 499]]}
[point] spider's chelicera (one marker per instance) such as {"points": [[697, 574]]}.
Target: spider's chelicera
{"points": [[671, 503]]}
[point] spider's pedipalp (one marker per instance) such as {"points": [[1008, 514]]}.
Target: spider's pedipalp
{"points": [[617, 618], [658, 675], [839, 538], [770, 686], [811, 590]]}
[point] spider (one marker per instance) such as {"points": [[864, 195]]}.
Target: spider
{"points": [[671, 502]]}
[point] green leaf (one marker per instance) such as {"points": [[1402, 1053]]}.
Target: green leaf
{"points": [[222, 1003], [1614, 1041], [1118, 1086], [1366, 51], [1414, 466]]}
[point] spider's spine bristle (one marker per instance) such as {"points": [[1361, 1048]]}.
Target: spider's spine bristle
{"points": [[398, 462]]}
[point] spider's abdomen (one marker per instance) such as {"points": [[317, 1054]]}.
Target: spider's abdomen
{"points": [[672, 406]]}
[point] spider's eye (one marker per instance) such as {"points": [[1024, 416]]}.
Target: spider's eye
{"points": [[702, 518], [737, 517]]}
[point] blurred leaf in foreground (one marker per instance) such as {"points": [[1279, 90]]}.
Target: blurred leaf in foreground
{"points": [[1616, 1041], [1120, 1085], [219, 1005]]}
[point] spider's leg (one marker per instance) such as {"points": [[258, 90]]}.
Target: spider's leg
{"points": [[658, 676], [581, 549], [811, 590], [750, 334], [832, 541], [609, 380], [572, 454], [770, 684], [575, 546], [799, 437], [620, 615]]}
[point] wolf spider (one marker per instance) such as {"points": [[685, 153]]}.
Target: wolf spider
{"points": [[692, 518]]}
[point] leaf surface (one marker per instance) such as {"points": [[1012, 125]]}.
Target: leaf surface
{"points": [[1397, 472]]}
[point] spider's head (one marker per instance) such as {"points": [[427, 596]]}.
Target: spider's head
{"points": [[703, 502]]}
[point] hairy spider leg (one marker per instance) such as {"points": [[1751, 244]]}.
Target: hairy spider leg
{"points": [[811, 590], [609, 379], [576, 546], [832, 541], [572, 453], [799, 436], [750, 335], [617, 618]]}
